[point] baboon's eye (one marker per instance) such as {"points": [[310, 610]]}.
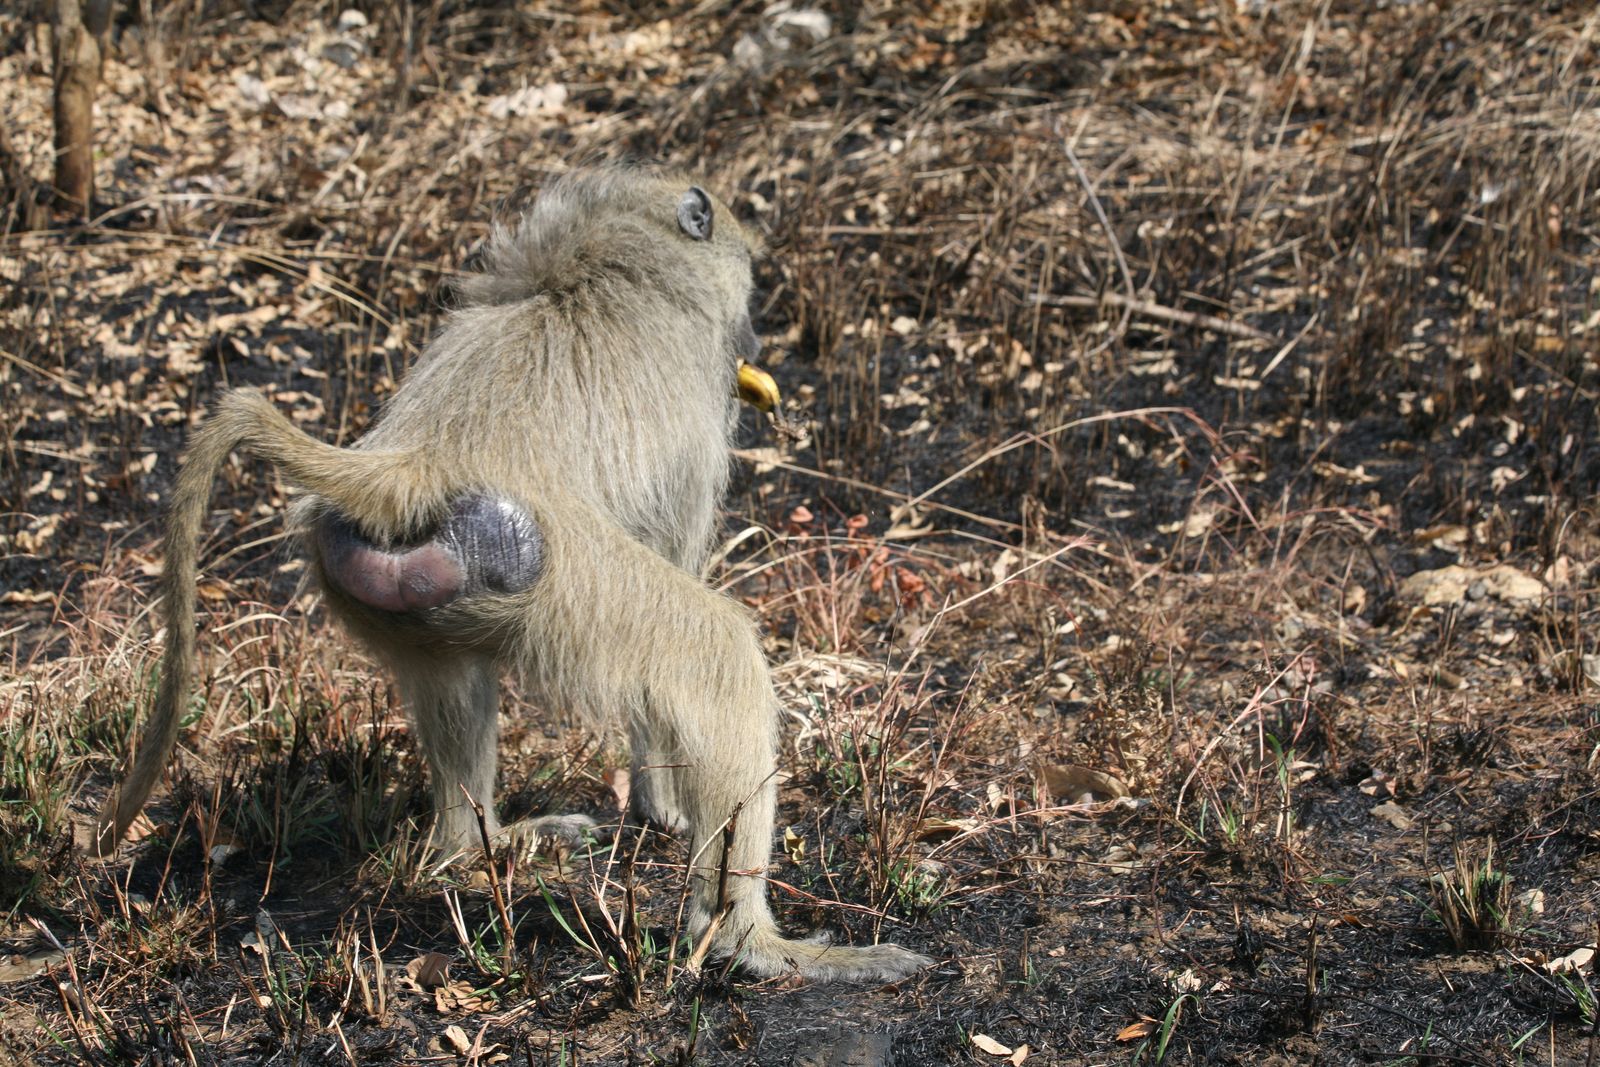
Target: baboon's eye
{"points": [[694, 214]]}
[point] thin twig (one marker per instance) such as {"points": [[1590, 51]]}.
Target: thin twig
{"points": [[1019, 440], [752, 456], [72, 387], [508, 944], [1148, 310], [1111, 239], [1594, 1023], [724, 905]]}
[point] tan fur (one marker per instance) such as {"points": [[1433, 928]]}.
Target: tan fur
{"points": [[589, 379]]}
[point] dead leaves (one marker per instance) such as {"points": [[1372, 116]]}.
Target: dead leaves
{"points": [[1379, 783], [1394, 815], [460, 997], [1455, 584], [1073, 784], [20, 967], [429, 976], [1137, 1031], [1014, 1056], [1576, 962], [473, 1050], [935, 828]]}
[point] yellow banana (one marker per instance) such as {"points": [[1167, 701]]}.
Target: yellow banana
{"points": [[757, 388]]}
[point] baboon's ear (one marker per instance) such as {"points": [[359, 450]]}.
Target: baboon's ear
{"points": [[694, 214]]}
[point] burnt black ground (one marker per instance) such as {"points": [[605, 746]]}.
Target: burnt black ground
{"points": [[1400, 203]]}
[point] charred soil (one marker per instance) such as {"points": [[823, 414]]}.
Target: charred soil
{"points": [[1179, 561]]}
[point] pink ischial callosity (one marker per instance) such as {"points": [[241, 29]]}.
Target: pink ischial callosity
{"points": [[483, 545], [427, 576]]}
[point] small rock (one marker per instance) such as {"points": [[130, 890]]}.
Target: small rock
{"points": [[807, 26], [344, 53], [252, 89], [528, 100], [839, 1048], [298, 106]]}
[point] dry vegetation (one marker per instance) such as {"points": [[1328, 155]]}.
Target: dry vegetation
{"points": [[1184, 592]]}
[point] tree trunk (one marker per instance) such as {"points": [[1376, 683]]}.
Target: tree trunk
{"points": [[81, 32]]}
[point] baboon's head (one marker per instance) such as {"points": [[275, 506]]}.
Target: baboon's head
{"points": [[633, 264], [612, 227]]}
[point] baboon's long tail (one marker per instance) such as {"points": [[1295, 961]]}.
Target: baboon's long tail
{"points": [[384, 490]]}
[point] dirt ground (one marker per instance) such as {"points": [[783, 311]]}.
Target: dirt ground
{"points": [[1179, 565]]}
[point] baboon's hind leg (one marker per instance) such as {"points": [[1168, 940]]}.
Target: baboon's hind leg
{"points": [[727, 719], [652, 779], [454, 705], [704, 718]]}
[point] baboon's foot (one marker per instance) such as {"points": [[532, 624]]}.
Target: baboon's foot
{"points": [[656, 817], [529, 834], [655, 796], [769, 956]]}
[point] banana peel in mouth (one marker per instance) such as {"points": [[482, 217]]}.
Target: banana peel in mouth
{"points": [[757, 388]]}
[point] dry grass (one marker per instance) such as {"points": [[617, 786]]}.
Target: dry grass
{"points": [[1144, 356]]}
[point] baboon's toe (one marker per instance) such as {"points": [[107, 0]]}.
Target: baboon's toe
{"points": [[573, 829]]}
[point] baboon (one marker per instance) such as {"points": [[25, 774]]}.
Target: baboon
{"points": [[541, 494]]}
